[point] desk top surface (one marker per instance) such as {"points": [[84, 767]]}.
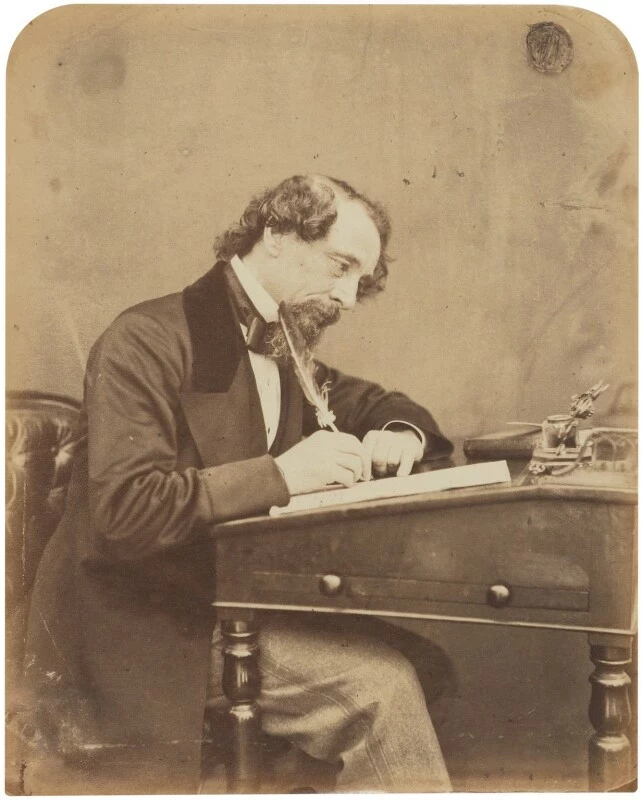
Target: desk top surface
{"points": [[520, 489]]}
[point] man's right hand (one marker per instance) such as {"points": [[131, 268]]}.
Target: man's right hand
{"points": [[323, 458]]}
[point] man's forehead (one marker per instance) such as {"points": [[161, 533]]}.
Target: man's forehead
{"points": [[355, 232]]}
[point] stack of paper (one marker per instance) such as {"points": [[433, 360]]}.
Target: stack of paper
{"points": [[454, 478]]}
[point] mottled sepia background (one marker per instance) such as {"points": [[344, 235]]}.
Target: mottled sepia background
{"points": [[136, 133]]}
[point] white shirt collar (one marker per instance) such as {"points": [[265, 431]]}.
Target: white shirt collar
{"points": [[263, 302]]}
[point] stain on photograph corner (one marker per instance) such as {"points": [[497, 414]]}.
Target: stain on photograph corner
{"points": [[550, 47]]}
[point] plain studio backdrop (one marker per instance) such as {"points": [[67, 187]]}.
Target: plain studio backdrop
{"points": [[137, 133]]}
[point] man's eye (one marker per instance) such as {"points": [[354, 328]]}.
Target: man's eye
{"points": [[341, 266]]}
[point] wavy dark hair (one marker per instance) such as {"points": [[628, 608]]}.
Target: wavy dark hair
{"points": [[304, 205]]}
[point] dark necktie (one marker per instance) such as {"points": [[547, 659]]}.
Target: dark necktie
{"points": [[246, 313]]}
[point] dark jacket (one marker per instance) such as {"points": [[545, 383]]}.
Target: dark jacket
{"points": [[120, 626]]}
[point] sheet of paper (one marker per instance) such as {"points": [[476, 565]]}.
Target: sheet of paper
{"points": [[453, 478]]}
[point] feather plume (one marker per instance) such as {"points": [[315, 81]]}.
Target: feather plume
{"points": [[304, 369]]}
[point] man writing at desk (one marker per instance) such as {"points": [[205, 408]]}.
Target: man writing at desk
{"points": [[193, 416]]}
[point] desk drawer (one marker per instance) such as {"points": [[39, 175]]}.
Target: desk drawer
{"points": [[530, 562], [364, 591]]}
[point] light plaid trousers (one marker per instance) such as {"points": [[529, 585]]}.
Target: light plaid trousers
{"points": [[345, 698]]}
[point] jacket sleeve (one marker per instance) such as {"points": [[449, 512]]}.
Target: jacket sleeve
{"points": [[140, 504], [361, 406]]}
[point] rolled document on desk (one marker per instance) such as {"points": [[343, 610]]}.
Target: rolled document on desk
{"points": [[437, 481]]}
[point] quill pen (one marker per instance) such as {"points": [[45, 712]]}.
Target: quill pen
{"points": [[304, 369]]}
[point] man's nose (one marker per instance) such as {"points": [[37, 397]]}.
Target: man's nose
{"points": [[344, 292]]}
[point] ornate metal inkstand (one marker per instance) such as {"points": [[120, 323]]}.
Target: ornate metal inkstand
{"points": [[597, 456]]}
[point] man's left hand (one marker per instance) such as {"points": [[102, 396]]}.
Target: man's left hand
{"points": [[393, 452]]}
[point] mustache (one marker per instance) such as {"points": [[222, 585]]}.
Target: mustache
{"points": [[312, 318], [317, 313]]}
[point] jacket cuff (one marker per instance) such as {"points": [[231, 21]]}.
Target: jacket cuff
{"points": [[243, 488]]}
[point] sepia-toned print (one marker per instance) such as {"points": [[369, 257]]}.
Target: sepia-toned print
{"points": [[321, 427]]}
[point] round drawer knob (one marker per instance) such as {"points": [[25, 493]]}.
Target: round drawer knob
{"points": [[499, 595], [330, 585]]}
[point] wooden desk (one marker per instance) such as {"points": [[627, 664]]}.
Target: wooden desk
{"points": [[557, 557]]}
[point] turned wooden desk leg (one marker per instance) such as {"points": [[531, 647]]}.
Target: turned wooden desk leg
{"points": [[242, 684], [610, 713]]}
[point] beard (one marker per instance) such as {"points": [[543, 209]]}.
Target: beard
{"points": [[312, 318]]}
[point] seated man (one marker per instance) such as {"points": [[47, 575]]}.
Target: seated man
{"points": [[193, 416]]}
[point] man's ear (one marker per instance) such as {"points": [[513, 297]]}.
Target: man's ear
{"points": [[273, 241]]}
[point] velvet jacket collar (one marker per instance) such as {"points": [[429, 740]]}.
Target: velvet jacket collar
{"points": [[222, 407], [217, 341]]}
